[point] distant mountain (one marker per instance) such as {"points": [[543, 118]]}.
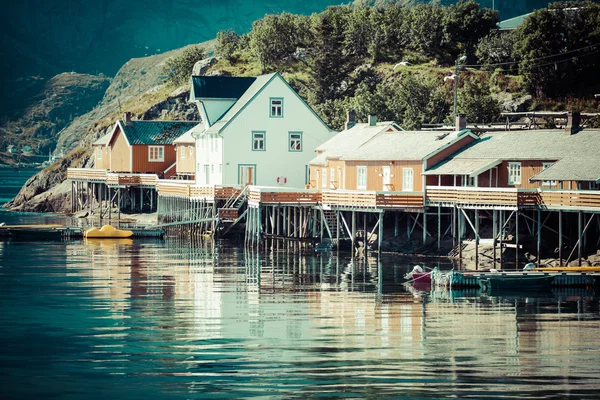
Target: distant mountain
{"points": [[47, 37]]}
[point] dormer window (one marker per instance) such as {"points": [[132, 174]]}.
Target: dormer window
{"points": [[276, 107]]}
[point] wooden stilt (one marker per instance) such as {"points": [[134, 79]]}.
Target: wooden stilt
{"points": [[424, 226], [539, 237], [579, 236], [353, 230], [380, 236], [439, 227], [517, 240], [395, 223], [495, 233], [560, 237]]}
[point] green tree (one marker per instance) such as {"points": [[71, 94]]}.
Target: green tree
{"points": [[274, 38], [423, 24], [179, 69], [227, 43], [327, 62], [558, 49], [476, 103], [496, 48]]}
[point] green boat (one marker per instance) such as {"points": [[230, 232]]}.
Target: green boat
{"points": [[499, 282]]}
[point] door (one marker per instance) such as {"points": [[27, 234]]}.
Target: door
{"points": [[387, 178], [247, 174], [407, 180]]}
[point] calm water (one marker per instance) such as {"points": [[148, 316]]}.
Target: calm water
{"points": [[174, 319], [170, 319]]}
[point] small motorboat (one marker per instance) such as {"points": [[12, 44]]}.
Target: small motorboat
{"points": [[418, 275], [498, 282], [107, 231]]}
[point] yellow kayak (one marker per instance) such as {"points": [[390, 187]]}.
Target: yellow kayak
{"points": [[107, 231]]}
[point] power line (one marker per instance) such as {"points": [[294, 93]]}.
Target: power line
{"points": [[534, 59]]}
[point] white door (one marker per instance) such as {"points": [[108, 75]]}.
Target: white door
{"points": [[387, 178], [246, 175], [407, 180]]}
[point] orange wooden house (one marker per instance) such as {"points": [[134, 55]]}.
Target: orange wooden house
{"points": [[382, 157], [140, 146], [185, 147]]}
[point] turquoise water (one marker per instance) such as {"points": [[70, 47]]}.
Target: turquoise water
{"points": [[178, 319], [12, 179], [174, 319]]}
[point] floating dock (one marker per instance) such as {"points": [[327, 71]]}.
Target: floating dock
{"points": [[60, 232]]}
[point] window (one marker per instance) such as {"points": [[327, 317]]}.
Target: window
{"points": [[514, 173], [99, 153], [276, 107], [594, 185], [156, 153], [181, 152], [295, 141], [258, 141], [468, 181], [547, 183], [407, 180], [212, 168], [361, 177], [324, 178], [191, 149], [332, 178]]}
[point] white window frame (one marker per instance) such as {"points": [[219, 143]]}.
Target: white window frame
{"points": [[295, 140], [332, 178], [99, 153], [594, 186], [361, 177], [405, 186], [548, 183], [191, 149], [514, 173], [259, 140], [276, 107], [159, 156], [324, 178], [182, 152], [469, 181]]}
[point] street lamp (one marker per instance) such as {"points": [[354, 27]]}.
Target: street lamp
{"points": [[459, 61]]}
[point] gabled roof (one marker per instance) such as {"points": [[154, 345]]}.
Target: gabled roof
{"points": [[403, 145], [187, 136], [153, 132], [220, 87], [348, 140], [468, 166], [512, 23], [575, 156], [253, 90], [102, 141]]}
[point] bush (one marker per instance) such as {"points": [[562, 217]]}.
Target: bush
{"points": [[179, 69], [227, 43]]}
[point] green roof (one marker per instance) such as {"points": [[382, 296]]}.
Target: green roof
{"points": [[154, 132], [220, 87], [512, 23]]}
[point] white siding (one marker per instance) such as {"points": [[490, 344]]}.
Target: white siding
{"points": [[277, 160]]}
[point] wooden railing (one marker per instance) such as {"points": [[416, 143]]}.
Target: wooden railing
{"points": [[174, 188], [512, 197], [571, 198], [87, 174], [399, 199], [170, 187], [279, 195], [126, 179]]}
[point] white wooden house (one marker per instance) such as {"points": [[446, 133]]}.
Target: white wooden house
{"points": [[257, 131]]}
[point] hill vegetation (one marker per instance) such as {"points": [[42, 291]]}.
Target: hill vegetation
{"points": [[398, 62]]}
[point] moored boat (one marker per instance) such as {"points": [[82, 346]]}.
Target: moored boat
{"points": [[516, 282]]}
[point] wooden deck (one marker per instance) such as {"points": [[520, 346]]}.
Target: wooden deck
{"points": [[372, 199], [87, 174], [513, 198], [187, 189], [267, 195]]}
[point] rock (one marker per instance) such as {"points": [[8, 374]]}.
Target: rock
{"points": [[202, 66], [511, 104], [217, 72]]}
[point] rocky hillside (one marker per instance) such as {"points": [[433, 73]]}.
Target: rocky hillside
{"points": [[33, 130], [138, 88]]}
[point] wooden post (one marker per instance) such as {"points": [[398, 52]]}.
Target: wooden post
{"points": [[501, 237], [579, 235], [395, 223], [439, 227], [424, 226], [517, 239], [539, 236], [454, 211], [476, 239], [459, 220], [380, 236], [560, 237], [495, 232], [353, 230], [365, 239]]}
